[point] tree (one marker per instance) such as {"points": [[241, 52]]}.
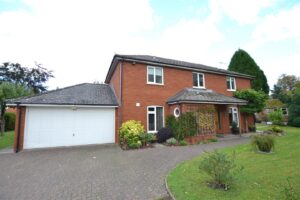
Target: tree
{"points": [[285, 88], [9, 91], [256, 101], [294, 111], [287, 82], [242, 62], [33, 78], [17, 81], [274, 103]]}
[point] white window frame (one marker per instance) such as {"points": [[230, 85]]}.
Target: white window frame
{"points": [[154, 69], [198, 80], [154, 112], [231, 88], [238, 116]]}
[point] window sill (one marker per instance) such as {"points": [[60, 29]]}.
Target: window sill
{"points": [[231, 90], [160, 84], [199, 87]]}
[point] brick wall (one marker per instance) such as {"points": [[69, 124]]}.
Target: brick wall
{"points": [[19, 111], [136, 89]]}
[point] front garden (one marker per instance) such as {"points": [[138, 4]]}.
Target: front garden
{"points": [[263, 176]]}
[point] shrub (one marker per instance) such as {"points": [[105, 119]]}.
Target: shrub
{"points": [[146, 138], [130, 133], [164, 134], [234, 128], [264, 143], [213, 140], [183, 143], [135, 145], [171, 141], [221, 168], [171, 123], [276, 117], [252, 128], [186, 126], [10, 120], [276, 129]]}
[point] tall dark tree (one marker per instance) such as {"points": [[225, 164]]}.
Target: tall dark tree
{"points": [[33, 78], [294, 111], [17, 81], [242, 62]]}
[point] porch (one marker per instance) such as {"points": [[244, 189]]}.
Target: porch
{"points": [[214, 112]]}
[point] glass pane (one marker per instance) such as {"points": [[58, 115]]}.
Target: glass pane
{"points": [[151, 70], [150, 74], [201, 80], [158, 71], [228, 83], [150, 109], [158, 79], [232, 84], [235, 118], [195, 80], [159, 118], [150, 78], [151, 122]]}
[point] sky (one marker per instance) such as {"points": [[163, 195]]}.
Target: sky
{"points": [[77, 39]]}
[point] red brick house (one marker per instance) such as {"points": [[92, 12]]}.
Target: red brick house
{"points": [[139, 87], [149, 88]]}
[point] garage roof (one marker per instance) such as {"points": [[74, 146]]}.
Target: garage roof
{"points": [[193, 95], [82, 94]]}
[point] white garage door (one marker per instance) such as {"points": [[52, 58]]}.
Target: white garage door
{"points": [[62, 126]]}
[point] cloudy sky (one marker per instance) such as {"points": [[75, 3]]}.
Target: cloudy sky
{"points": [[78, 38]]}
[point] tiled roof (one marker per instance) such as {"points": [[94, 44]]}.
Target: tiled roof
{"points": [[170, 63], [82, 94], [194, 95]]}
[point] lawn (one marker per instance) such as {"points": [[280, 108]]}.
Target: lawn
{"points": [[7, 140], [264, 175]]}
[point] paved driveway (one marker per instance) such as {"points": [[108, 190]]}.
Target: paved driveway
{"points": [[94, 172]]}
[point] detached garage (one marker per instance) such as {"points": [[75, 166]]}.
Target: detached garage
{"points": [[78, 115]]}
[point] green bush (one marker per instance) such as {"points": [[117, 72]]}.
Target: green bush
{"points": [[10, 120], [252, 128], [183, 143], [171, 141], [294, 111], [276, 117], [213, 140], [185, 126], [146, 138], [171, 123], [276, 129], [221, 168], [135, 145], [264, 143], [130, 133]]}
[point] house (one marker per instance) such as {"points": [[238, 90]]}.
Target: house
{"points": [[139, 87]]}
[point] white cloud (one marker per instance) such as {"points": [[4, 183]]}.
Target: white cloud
{"points": [[243, 11], [76, 39], [278, 27]]}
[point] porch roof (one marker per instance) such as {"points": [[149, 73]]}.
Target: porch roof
{"points": [[193, 95]]}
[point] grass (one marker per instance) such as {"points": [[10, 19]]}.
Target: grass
{"points": [[264, 175], [7, 140]]}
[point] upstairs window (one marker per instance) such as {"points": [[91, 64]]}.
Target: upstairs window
{"points": [[198, 80], [155, 75], [231, 84]]}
